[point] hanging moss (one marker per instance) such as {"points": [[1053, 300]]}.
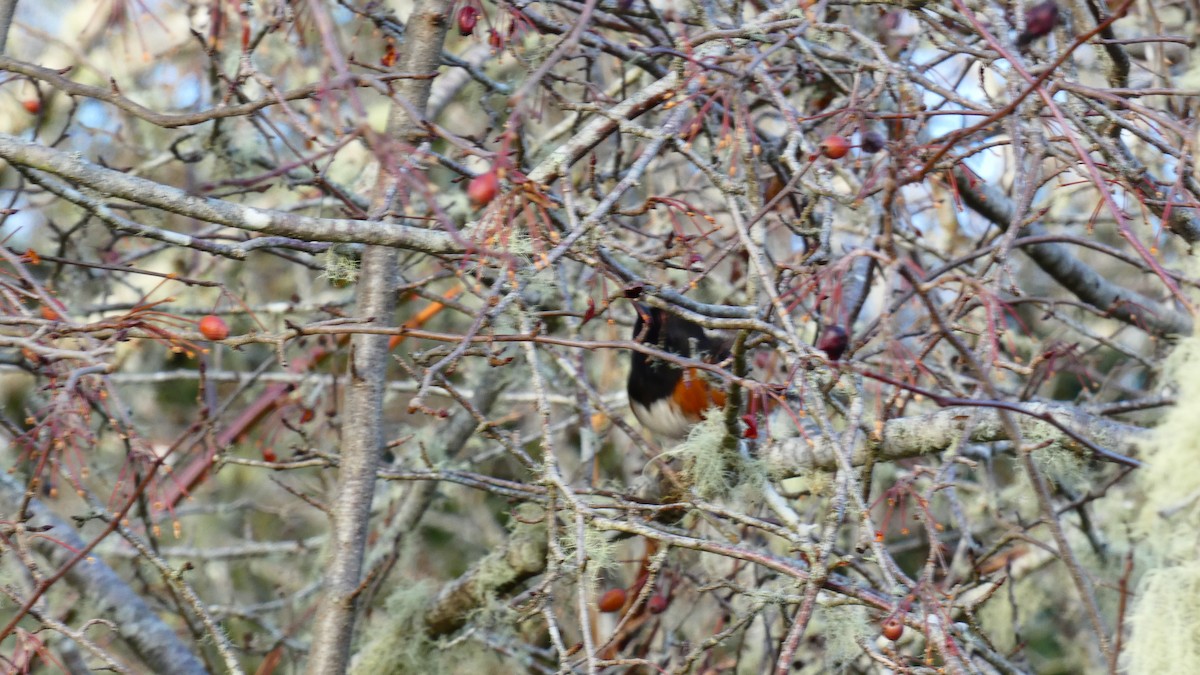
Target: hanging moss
{"points": [[706, 463], [1165, 619], [843, 626]]}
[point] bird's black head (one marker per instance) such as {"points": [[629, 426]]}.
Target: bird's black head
{"points": [[651, 378], [670, 333]]}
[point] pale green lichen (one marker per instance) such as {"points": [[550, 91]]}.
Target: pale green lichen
{"points": [[705, 461], [1166, 621], [1064, 467], [1166, 613], [815, 483], [843, 626], [397, 642], [340, 268], [599, 547]]}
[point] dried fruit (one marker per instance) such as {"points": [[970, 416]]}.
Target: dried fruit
{"points": [[833, 342], [612, 600], [1039, 21], [483, 188], [835, 147], [893, 628], [389, 55], [214, 327], [872, 142], [467, 18]]}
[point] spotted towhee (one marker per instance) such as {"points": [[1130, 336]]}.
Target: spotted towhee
{"points": [[666, 398]]}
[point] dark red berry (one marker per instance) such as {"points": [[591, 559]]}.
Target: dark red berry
{"points": [[872, 142], [467, 18], [833, 342], [1039, 21], [893, 628], [657, 604]]}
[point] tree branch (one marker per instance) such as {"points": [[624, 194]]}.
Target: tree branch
{"points": [[1078, 277], [938, 431], [153, 641], [70, 166]]}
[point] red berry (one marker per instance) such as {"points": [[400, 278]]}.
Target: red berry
{"points": [[269, 455], [214, 327], [50, 314], [893, 628], [483, 188], [658, 604], [467, 18], [32, 106], [835, 147], [494, 40], [612, 600], [833, 342]]}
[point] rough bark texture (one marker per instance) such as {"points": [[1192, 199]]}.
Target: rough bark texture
{"points": [[334, 629]]}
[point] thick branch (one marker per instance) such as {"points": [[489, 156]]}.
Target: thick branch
{"points": [[333, 631], [154, 642], [1073, 274], [70, 166], [924, 434], [523, 557]]}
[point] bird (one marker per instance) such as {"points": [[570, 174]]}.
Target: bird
{"points": [[665, 397]]}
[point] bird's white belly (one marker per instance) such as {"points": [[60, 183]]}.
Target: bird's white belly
{"points": [[663, 418]]}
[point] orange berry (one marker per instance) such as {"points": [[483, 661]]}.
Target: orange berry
{"points": [[389, 56], [893, 628], [835, 147], [612, 600], [214, 327]]}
